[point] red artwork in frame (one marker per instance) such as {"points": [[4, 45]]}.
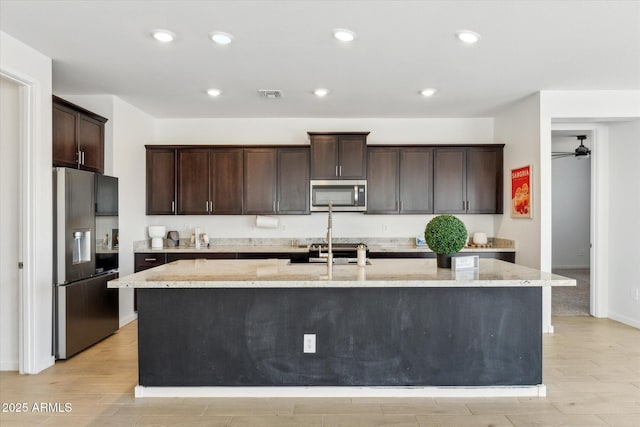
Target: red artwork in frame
{"points": [[521, 192]]}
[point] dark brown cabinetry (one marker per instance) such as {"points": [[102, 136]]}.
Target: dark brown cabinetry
{"points": [[78, 137], [400, 180], [468, 180], [276, 180], [338, 155], [209, 181], [161, 181], [144, 261]]}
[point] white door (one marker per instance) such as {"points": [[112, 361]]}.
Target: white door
{"points": [[9, 223]]}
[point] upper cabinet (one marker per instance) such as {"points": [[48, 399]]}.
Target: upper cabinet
{"points": [[400, 180], [78, 137], [161, 181], [338, 155], [276, 180], [106, 195], [468, 180], [209, 181]]}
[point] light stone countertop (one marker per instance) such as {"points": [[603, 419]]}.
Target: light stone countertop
{"points": [[272, 273]]}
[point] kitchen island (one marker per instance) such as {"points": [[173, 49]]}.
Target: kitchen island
{"points": [[395, 327]]}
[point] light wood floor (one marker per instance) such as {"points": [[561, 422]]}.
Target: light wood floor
{"points": [[591, 369]]}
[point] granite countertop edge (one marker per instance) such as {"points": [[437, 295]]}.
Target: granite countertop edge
{"points": [[382, 273]]}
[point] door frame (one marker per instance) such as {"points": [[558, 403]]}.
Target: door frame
{"points": [[28, 89], [598, 261]]}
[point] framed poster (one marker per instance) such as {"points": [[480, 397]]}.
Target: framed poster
{"points": [[521, 192]]}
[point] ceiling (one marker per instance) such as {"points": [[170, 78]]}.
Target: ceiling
{"points": [[402, 47]]}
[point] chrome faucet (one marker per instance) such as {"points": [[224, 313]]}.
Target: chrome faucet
{"points": [[329, 254], [329, 239]]}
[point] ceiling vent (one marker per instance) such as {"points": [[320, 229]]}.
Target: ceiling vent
{"points": [[270, 93]]}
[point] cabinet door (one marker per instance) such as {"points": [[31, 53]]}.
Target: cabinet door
{"points": [[65, 150], [382, 181], [226, 181], [416, 180], [260, 166], [161, 181], [324, 157], [352, 157], [91, 143], [293, 181], [106, 195], [484, 180], [193, 182], [450, 181]]}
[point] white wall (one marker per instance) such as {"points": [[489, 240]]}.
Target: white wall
{"points": [[624, 226], [518, 127], [132, 130], [33, 69], [9, 222], [294, 131], [571, 198]]}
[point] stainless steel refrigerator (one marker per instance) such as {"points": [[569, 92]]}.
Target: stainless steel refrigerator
{"points": [[85, 310]]}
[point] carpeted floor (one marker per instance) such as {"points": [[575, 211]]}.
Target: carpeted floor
{"points": [[570, 301]]}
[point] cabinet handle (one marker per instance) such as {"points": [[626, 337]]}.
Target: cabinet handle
{"points": [[173, 206], [211, 206], [336, 170], [467, 205], [79, 157], [401, 205], [464, 205], [340, 170], [396, 205], [150, 259], [83, 157], [278, 206], [274, 205], [206, 204]]}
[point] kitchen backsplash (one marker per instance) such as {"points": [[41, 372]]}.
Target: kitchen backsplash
{"points": [[314, 226]]}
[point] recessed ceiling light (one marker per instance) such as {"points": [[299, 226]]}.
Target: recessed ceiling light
{"points": [[428, 92], [320, 92], [214, 92], [344, 35], [164, 36], [219, 37], [468, 36]]}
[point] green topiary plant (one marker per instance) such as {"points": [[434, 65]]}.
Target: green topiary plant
{"points": [[445, 235]]}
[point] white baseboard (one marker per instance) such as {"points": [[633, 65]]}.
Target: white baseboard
{"points": [[269, 392], [569, 267], [624, 319], [128, 319], [9, 365]]}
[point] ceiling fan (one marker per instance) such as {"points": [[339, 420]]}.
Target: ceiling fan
{"points": [[581, 152]]}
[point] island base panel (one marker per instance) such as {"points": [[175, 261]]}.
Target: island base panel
{"points": [[432, 336]]}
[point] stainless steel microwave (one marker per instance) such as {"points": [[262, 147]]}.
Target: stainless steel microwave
{"points": [[345, 195]]}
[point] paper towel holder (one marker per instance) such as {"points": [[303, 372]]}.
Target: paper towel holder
{"points": [[266, 222]]}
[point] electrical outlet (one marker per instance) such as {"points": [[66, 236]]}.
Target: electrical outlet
{"points": [[309, 345]]}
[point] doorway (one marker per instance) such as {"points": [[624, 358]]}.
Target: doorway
{"points": [[571, 221], [9, 223]]}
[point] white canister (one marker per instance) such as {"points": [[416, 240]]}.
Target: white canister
{"points": [[480, 238]]}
